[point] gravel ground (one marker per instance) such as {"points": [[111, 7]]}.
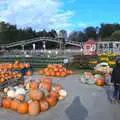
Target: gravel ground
{"points": [[84, 102]]}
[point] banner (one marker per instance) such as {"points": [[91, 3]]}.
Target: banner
{"points": [[89, 48]]}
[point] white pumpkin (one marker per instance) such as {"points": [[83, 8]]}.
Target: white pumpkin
{"points": [[6, 90], [11, 93], [20, 91], [62, 94]]}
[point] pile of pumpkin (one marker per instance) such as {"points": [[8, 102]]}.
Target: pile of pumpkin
{"points": [[16, 65], [55, 70], [33, 97], [6, 75]]}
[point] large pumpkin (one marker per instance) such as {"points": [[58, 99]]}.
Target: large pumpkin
{"points": [[34, 85], [45, 85], [6, 103], [35, 94], [52, 100], [58, 87], [22, 108], [44, 105], [54, 93], [46, 80], [100, 82], [14, 105], [34, 108]]}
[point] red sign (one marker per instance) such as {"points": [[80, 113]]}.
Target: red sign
{"points": [[89, 48]]}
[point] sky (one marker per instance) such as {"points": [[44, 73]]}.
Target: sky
{"points": [[70, 15]]}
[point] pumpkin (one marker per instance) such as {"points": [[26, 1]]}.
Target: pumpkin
{"points": [[46, 80], [35, 94], [34, 85], [27, 65], [54, 93], [44, 105], [100, 82], [45, 85], [62, 94], [28, 73], [20, 97], [58, 87], [6, 103], [22, 108], [34, 108], [52, 100], [41, 72], [14, 105], [11, 93]]}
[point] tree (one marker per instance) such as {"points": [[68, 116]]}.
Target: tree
{"points": [[115, 36], [90, 33], [106, 30]]}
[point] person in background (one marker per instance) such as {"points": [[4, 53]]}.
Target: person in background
{"points": [[115, 79]]}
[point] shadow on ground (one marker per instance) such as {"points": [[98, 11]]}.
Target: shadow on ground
{"points": [[109, 91], [76, 111]]}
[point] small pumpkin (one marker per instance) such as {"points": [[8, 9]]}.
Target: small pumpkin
{"points": [[34, 108], [22, 108], [44, 105], [6, 103], [14, 105], [100, 82], [28, 73], [52, 100]]}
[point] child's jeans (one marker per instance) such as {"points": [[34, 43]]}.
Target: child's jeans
{"points": [[116, 93]]}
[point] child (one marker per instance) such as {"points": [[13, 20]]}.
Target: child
{"points": [[115, 79]]}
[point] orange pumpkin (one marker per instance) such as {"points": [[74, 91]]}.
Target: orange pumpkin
{"points": [[45, 85], [28, 73], [52, 100], [6, 103], [22, 108], [34, 85], [35, 94], [100, 82], [46, 80], [34, 108], [44, 105], [26, 65], [58, 87], [14, 105], [54, 93]]}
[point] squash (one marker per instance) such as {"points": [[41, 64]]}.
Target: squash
{"points": [[44, 105], [22, 108], [52, 100], [14, 105], [34, 108], [6, 103], [35, 94]]}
